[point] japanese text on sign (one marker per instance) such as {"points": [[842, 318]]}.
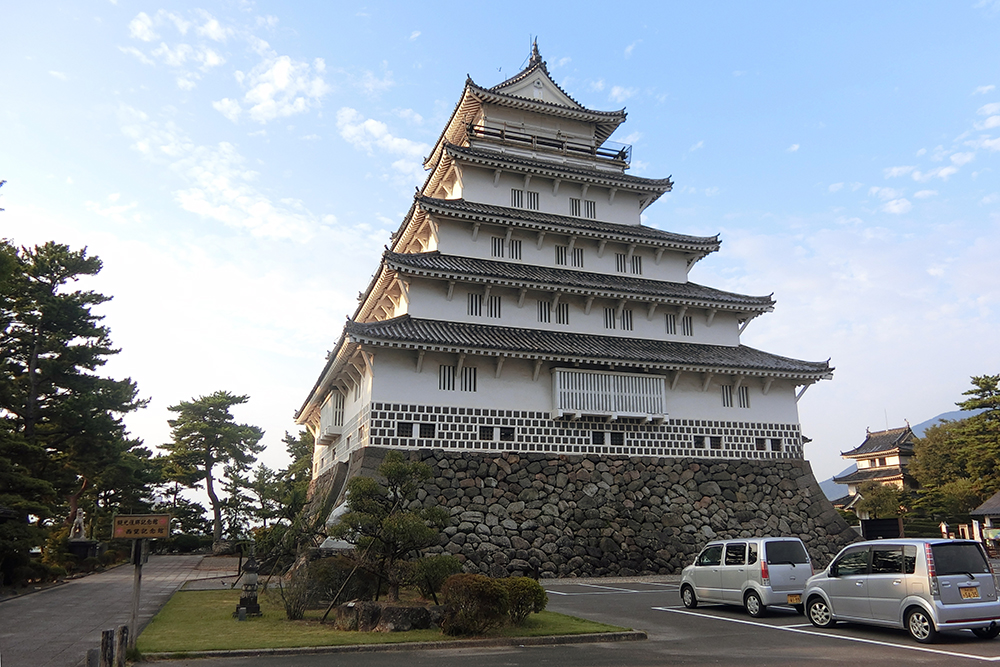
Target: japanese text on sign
{"points": [[142, 526]]}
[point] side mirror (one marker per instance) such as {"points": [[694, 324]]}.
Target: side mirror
{"points": [[833, 570]]}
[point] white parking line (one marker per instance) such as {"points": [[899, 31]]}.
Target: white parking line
{"points": [[612, 588], [815, 633]]}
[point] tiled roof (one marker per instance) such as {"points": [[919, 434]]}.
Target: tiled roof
{"points": [[991, 507], [503, 215], [658, 185], [884, 441], [568, 280], [536, 343], [535, 63], [881, 473]]}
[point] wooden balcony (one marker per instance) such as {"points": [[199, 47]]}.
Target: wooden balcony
{"points": [[613, 395], [609, 150]]}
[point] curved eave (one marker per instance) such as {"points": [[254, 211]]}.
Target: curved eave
{"points": [[853, 454], [335, 362], [657, 186], [502, 216], [763, 305]]}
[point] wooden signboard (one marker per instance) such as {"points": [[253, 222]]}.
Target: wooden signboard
{"points": [[141, 526]]}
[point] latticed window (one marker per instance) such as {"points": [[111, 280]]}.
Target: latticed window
{"points": [[497, 246], [517, 198], [589, 209], [562, 313], [620, 263], [671, 324], [426, 429], [532, 198], [744, 397], [727, 395], [469, 378], [485, 432], [493, 307], [626, 320], [475, 304], [574, 207], [561, 255], [637, 265], [578, 257], [446, 378], [775, 444], [544, 311], [688, 325], [715, 442], [404, 429], [610, 321], [515, 249]]}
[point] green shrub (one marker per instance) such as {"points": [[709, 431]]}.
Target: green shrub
{"points": [[185, 543], [474, 604], [56, 571], [90, 564], [328, 575], [524, 596], [430, 573]]}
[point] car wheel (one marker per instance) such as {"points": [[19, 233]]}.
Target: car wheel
{"points": [[819, 613], [989, 632], [920, 626], [688, 598], [753, 605]]}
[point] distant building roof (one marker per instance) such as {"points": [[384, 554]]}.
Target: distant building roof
{"points": [[879, 442], [877, 474], [989, 508]]}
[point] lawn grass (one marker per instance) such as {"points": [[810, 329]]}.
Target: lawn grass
{"points": [[203, 621]]}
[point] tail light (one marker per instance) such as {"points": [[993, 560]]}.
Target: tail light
{"points": [[931, 571], [765, 576]]}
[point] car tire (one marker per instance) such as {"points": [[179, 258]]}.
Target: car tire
{"points": [[753, 604], [920, 626], [688, 597], [989, 632], [819, 613], [800, 609]]}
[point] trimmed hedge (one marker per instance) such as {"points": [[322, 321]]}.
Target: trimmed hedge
{"points": [[524, 596], [475, 604]]}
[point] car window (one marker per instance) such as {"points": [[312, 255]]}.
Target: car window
{"points": [[909, 559], [959, 558], [736, 554], [854, 561], [785, 551], [887, 560], [710, 556], [752, 555]]}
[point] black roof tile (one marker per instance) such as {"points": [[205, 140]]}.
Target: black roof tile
{"points": [[884, 441]]}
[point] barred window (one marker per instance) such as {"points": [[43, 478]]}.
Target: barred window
{"points": [[760, 444], [561, 255], [578, 257], [532, 200], [589, 209], [475, 304], [515, 249], [485, 432], [497, 246], [597, 437], [506, 434], [688, 325], [699, 442], [727, 395], [562, 313], [446, 378], [637, 265], [586, 208], [715, 442], [776, 444], [426, 429], [544, 311], [671, 324], [469, 378], [517, 198], [626, 320], [574, 207], [404, 429], [610, 321], [744, 397], [617, 438], [493, 307], [620, 262]]}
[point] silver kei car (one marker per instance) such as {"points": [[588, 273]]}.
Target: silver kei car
{"points": [[922, 585]]}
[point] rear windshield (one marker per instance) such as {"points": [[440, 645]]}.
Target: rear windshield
{"points": [[788, 551], [958, 558]]}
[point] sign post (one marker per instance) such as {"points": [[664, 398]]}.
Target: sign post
{"points": [[139, 527]]}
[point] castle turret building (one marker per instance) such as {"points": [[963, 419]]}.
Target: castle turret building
{"points": [[522, 306]]}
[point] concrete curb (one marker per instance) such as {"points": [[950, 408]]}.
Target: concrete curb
{"points": [[592, 638]]}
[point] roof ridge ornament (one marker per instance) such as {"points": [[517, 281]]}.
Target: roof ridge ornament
{"points": [[536, 58]]}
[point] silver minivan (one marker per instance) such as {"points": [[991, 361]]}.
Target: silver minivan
{"points": [[922, 585], [755, 572]]}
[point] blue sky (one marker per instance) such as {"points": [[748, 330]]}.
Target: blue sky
{"points": [[239, 166]]}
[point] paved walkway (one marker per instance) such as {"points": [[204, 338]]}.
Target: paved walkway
{"points": [[55, 627]]}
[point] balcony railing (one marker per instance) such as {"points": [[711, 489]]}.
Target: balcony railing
{"points": [[608, 394], [331, 418], [609, 150]]}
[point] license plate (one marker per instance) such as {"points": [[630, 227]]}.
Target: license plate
{"points": [[797, 599], [969, 593]]}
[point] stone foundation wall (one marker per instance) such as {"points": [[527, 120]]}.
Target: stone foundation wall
{"points": [[586, 516]]}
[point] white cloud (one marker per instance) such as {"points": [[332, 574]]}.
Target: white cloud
{"points": [[893, 172], [414, 35], [989, 123], [897, 206], [59, 75], [631, 47], [793, 148], [369, 134], [712, 191], [409, 115], [562, 62], [962, 158], [278, 87], [883, 193], [982, 90], [141, 27], [620, 93], [117, 213], [631, 138], [990, 198], [739, 72], [372, 84], [310, 137], [138, 54], [985, 142], [939, 172], [924, 194], [697, 146], [213, 30], [921, 152], [989, 109], [835, 187], [174, 57], [597, 86]]}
